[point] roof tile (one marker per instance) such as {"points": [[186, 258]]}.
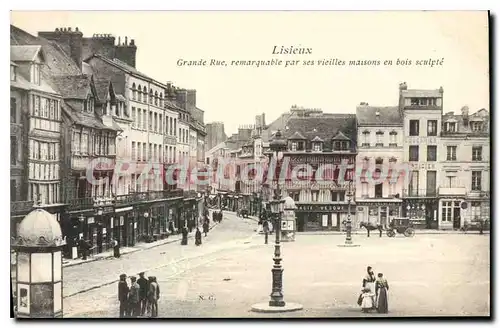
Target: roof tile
{"points": [[367, 115]]}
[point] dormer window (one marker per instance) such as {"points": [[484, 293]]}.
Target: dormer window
{"points": [[89, 105], [13, 73], [341, 145], [294, 146], [117, 108], [451, 127], [317, 147], [35, 74], [476, 126]]}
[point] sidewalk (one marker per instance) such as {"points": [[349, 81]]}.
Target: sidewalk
{"points": [[129, 250], [375, 232]]}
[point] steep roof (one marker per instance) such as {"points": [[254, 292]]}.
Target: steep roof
{"points": [[24, 84], [387, 116], [124, 67], [481, 115], [73, 108], [102, 88], [56, 60], [26, 53], [317, 139], [297, 136], [325, 126], [73, 86]]}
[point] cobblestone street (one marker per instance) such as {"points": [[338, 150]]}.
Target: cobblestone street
{"points": [[427, 274]]}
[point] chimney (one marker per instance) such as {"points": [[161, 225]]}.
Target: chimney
{"points": [[181, 97], [70, 41], [465, 115], [191, 98], [126, 52]]}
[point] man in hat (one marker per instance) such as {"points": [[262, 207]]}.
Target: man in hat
{"points": [[123, 295], [143, 292], [133, 298]]}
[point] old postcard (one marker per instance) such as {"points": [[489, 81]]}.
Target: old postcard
{"points": [[175, 164]]}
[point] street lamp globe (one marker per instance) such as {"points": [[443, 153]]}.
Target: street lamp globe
{"points": [[278, 144]]}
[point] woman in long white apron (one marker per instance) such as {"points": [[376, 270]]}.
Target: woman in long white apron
{"points": [[369, 281]]}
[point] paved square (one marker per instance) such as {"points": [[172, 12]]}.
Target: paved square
{"points": [[429, 275]]}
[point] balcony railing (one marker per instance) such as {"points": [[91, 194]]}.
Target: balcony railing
{"points": [[123, 200], [452, 191], [21, 207], [419, 193]]}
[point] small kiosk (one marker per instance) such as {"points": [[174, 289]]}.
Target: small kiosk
{"points": [[38, 248], [288, 221]]}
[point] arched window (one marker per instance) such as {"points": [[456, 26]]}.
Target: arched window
{"points": [[145, 94], [134, 92], [151, 96], [156, 98], [139, 93], [161, 99]]}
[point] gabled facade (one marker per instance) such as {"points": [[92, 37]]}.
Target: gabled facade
{"points": [[89, 143], [319, 140], [35, 116]]}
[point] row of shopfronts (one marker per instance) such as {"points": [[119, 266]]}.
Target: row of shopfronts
{"points": [[144, 217], [424, 213]]}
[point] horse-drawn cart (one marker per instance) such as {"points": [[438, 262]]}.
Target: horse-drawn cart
{"points": [[401, 226]]}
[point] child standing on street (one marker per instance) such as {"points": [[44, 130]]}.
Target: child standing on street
{"points": [[367, 300]]}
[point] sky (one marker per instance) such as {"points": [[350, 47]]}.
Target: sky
{"points": [[235, 94]]}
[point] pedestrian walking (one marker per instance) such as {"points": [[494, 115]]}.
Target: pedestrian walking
{"points": [[381, 292], [153, 296], [197, 237], [123, 295], [143, 292], [116, 248], [265, 227], [205, 227], [133, 298], [184, 240]]}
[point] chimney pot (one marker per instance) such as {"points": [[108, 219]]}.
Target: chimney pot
{"points": [[126, 40], [57, 29], [132, 42], [77, 29], [119, 41], [69, 29]]}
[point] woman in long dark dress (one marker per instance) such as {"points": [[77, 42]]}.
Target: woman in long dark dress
{"points": [[381, 289], [197, 237], [184, 240]]}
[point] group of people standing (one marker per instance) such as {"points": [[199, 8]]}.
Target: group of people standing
{"points": [[374, 293], [140, 298]]}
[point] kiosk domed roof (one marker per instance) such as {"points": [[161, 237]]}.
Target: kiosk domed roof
{"points": [[38, 229], [289, 203]]}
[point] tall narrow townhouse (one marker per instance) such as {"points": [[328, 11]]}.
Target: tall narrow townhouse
{"points": [[464, 158], [35, 135], [380, 181], [150, 119], [422, 111]]}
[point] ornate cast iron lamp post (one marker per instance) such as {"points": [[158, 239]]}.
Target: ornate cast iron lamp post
{"points": [[348, 237], [277, 303]]}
